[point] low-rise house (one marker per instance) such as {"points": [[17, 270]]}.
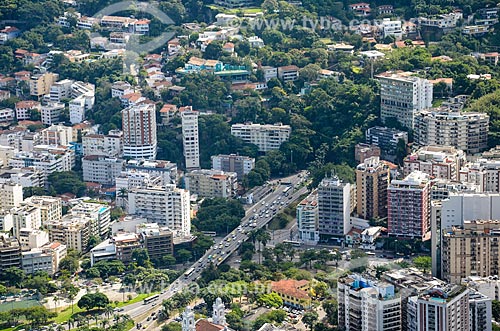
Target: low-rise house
{"points": [[294, 293], [360, 9], [8, 33], [288, 73]]}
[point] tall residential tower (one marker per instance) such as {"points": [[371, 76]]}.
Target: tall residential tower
{"points": [[190, 139], [402, 96], [334, 207], [139, 131]]}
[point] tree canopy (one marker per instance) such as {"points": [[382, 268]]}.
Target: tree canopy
{"points": [[219, 215]]}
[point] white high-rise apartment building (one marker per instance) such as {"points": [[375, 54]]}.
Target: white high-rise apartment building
{"points": [[50, 112], [166, 205], [99, 215], [139, 131], [242, 165], [101, 169], [26, 217], [47, 159], [483, 172], [164, 169], [453, 211], [367, 305], [267, 137], [78, 106], [443, 127], [480, 311], [11, 195], [50, 207], [402, 96], [57, 135], [72, 231], [334, 207], [212, 183], [190, 139], [307, 219], [60, 90], [107, 145]]}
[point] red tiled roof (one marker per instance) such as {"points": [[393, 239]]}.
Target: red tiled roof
{"points": [[289, 68], [27, 123], [168, 108], [132, 97], [27, 104], [290, 287], [92, 185], [21, 51], [9, 29], [54, 245], [204, 325]]}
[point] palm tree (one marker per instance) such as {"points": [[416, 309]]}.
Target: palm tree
{"points": [[125, 318], [71, 296], [56, 299], [263, 237], [167, 308], [253, 236], [80, 320], [108, 310]]}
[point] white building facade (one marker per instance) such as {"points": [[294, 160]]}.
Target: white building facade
{"points": [[402, 95], [139, 131], [190, 139], [166, 205], [267, 137]]}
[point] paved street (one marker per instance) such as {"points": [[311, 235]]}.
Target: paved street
{"points": [[280, 196]]}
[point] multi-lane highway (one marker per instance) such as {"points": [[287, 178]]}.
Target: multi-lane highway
{"points": [[284, 193]]}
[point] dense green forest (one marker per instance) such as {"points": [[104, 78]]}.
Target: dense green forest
{"points": [[326, 124]]}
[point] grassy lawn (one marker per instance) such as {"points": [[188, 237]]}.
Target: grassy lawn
{"points": [[138, 298], [325, 41], [65, 315]]}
